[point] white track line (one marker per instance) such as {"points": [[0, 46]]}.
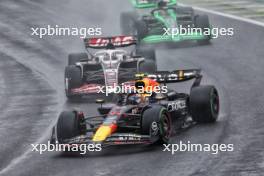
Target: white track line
{"points": [[258, 23]]}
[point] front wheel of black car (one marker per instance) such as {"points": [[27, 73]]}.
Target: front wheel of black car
{"points": [[147, 66], [148, 54], [202, 22], [127, 22], [156, 122], [204, 104], [68, 126], [76, 57]]}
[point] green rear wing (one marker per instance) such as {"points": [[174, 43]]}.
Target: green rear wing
{"points": [[141, 4]]}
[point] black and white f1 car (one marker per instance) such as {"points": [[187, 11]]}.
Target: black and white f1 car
{"points": [[138, 118], [87, 72]]}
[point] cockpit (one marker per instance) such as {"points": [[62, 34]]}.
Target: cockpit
{"points": [[162, 8], [167, 15]]}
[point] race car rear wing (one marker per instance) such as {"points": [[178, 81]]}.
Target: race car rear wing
{"points": [[141, 4], [174, 76], [104, 42]]}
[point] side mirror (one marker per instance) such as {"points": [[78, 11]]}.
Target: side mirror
{"points": [[100, 101]]}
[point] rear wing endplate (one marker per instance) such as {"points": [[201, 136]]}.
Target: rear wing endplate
{"points": [[116, 41]]}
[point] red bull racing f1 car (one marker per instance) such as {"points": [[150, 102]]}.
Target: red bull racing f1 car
{"points": [[142, 118]]}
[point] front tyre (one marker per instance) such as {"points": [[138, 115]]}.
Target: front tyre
{"points": [[204, 104], [185, 10], [202, 22], [156, 122], [68, 126]]}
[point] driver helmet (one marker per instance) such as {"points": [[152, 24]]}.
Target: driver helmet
{"points": [[134, 99]]}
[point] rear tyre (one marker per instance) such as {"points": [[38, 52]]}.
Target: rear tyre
{"points": [[147, 66], [73, 79], [204, 104], [127, 22], [141, 30], [76, 57], [148, 54], [68, 126], [184, 10], [157, 123], [202, 22]]}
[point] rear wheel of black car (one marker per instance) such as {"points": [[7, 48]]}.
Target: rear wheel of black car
{"points": [[202, 22], [127, 22], [68, 126], [157, 123], [204, 104], [73, 79], [147, 66], [185, 10], [141, 29], [76, 57], [148, 54]]}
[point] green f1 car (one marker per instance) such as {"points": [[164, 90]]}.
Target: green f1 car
{"points": [[166, 23]]}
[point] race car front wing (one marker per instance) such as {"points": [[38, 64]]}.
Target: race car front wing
{"points": [[113, 140]]}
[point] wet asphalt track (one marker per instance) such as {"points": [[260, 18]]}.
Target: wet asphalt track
{"points": [[31, 82]]}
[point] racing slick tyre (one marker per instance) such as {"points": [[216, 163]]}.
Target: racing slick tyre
{"points": [[127, 21], [157, 123], [141, 29], [147, 66], [204, 104], [76, 57], [202, 22], [148, 54], [68, 126], [184, 10], [73, 79]]}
